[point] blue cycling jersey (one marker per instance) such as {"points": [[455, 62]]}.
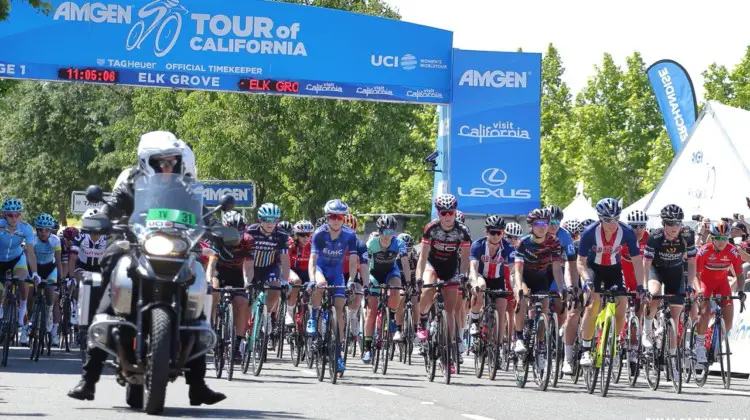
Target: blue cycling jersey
{"points": [[11, 243], [568, 246], [45, 250], [331, 252]]}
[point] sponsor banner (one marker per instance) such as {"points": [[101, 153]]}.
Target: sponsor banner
{"points": [[739, 342], [216, 45], [243, 192], [79, 204], [495, 131], [676, 97]]}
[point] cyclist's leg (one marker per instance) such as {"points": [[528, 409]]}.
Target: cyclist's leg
{"points": [[478, 286], [675, 286], [291, 300], [500, 304], [216, 284], [49, 293], [727, 311], [235, 279], [425, 303], [654, 287], [452, 302], [316, 299], [371, 316], [591, 311], [272, 278], [21, 272]]}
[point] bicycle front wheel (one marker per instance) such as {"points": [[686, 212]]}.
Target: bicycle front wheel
{"points": [[542, 351], [231, 339], [387, 342], [259, 340], [492, 348], [591, 373], [633, 350], [608, 354], [445, 348], [333, 344], [673, 356], [724, 356]]}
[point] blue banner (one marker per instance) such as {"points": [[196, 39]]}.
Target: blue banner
{"points": [[229, 45], [495, 131], [243, 192], [676, 96]]}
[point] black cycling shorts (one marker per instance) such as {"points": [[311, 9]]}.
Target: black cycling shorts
{"points": [[536, 282], [605, 277], [673, 280], [303, 275], [229, 277]]}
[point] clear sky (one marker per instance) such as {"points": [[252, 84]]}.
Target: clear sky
{"points": [[694, 33]]}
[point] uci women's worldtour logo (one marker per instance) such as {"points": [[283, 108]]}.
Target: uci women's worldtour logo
{"points": [[407, 62], [497, 130], [495, 179], [161, 22]]}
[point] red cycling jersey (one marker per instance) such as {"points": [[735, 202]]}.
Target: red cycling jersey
{"points": [[299, 256], [627, 264], [713, 269]]}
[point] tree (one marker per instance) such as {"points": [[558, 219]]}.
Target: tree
{"points": [[40, 5]]}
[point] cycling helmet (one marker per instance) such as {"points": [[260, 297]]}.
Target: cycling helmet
{"points": [[12, 204], [285, 227], [303, 226], [513, 229], [269, 210], [672, 213], [69, 233], [537, 214], [555, 212], [586, 223], [386, 221], [336, 206], [460, 216], [90, 213], [320, 222], [446, 202], [157, 144], [407, 240], [608, 207], [351, 221], [494, 222], [56, 227], [44, 221], [720, 228], [637, 216], [574, 226], [234, 219], [188, 160]]}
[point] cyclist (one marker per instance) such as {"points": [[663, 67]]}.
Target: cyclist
{"points": [[413, 257], [271, 255], [575, 228], [664, 262], [66, 242], [14, 257], [235, 272], [460, 217], [587, 222], [49, 263], [513, 234], [489, 268], [299, 258], [713, 263], [445, 243], [384, 252], [534, 256], [637, 221], [286, 227], [329, 243], [352, 223], [599, 256]]}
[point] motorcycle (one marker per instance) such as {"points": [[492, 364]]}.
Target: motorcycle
{"points": [[158, 288]]}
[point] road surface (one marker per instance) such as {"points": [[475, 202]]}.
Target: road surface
{"points": [[29, 389]]}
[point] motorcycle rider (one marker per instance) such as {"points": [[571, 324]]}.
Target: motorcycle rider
{"points": [[158, 152]]}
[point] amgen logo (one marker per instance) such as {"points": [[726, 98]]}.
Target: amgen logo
{"points": [[239, 194], [494, 79]]}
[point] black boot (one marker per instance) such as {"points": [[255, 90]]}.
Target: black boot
{"points": [[202, 394], [83, 391]]}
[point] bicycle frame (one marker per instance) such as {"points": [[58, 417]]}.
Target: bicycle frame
{"points": [[605, 315]]}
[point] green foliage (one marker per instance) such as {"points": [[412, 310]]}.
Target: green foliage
{"points": [[40, 5]]}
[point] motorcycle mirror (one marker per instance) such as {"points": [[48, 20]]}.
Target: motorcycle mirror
{"points": [[227, 202], [94, 194]]}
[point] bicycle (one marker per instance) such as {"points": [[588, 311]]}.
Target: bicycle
{"points": [[629, 347], [349, 338], [406, 346], [575, 302], [538, 338], [296, 337], [39, 335], [9, 323], [65, 329], [486, 346], [604, 348], [324, 343], [278, 334], [382, 337], [438, 343], [717, 343], [166, 14], [685, 330], [225, 331], [664, 354], [256, 337]]}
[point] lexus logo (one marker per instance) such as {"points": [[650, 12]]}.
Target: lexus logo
{"points": [[494, 177]]}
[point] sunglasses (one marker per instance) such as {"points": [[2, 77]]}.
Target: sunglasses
{"points": [[12, 214], [43, 230], [672, 223], [387, 232], [721, 237], [609, 219], [540, 223], [305, 235], [447, 212], [512, 238], [167, 163], [495, 232], [269, 219], [637, 226], [335, 217], [554, 222]]}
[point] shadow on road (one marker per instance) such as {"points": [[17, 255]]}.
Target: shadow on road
{"points": [[210, 413], [58, 362], [15, 415]]}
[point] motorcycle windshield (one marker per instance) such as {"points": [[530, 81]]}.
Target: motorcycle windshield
{"points": [[167, 202]]}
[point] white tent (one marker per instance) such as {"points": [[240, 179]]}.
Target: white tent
{"points": [[580, 208], [710, 175]]}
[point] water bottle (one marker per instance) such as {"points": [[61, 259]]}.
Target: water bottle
{"points": [[324, 324]]}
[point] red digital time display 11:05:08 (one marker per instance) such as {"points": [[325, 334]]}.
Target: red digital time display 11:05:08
{"points": [[88, 75], [267, 85]]}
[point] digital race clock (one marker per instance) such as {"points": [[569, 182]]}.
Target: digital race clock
{"points": [[88, 75], [267, 85]]}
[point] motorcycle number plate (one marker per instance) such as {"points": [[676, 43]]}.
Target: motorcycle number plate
{"points": [[171, 215]]}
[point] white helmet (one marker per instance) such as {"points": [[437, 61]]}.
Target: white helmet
{"points": [[188, 161], [158, 144], [513, 229]]}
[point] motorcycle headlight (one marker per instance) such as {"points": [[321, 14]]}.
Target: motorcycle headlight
{"points": [[161, 245]]}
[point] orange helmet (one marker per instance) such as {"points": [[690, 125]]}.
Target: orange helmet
{"points": [[351, 222]]}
